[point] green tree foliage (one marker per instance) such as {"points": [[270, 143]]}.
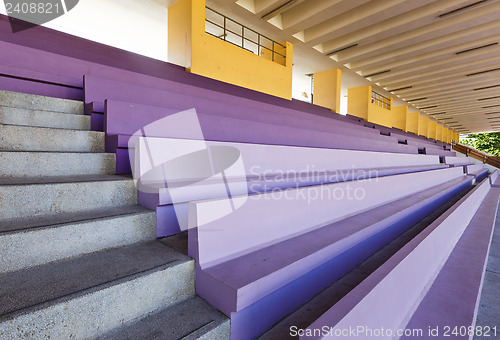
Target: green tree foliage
{"points": [[486, 142]]}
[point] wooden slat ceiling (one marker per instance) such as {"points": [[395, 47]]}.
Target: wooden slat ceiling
{"points": [[442, 57]]}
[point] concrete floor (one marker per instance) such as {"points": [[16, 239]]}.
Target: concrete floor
{"points": [[489, 306]]}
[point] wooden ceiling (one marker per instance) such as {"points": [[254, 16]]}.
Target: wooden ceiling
{"points": [[441, 57]]}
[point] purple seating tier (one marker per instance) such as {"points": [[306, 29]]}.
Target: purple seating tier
{"points": [[266, 168], [301, 247], [408, 279]]}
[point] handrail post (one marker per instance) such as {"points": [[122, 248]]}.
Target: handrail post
{"points": [[273, 50], [225, 34], [258, 40]]}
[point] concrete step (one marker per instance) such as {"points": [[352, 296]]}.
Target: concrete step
{"points": [[35, 102], [41, 164], [190, 319], [93, 294], [27, 117], [35, 197], [29, 242], [27, 138]]}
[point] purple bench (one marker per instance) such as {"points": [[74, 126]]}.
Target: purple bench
{"points": [[266, 168], [439, 152], [453, 299], [478, 171], [123, 119], [402, 136], [174, 96], [408, 279], [305, 246], [458, 161]]}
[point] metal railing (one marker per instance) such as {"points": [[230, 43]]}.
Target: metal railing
{"points": [[471, 152], [227, 29], [381, 101]]}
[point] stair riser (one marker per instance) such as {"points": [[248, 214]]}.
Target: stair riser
{"points": [[92, 313], [19, 250], [16, 116], [33, 164], [33, 200], [34, 102], [23, 138]]}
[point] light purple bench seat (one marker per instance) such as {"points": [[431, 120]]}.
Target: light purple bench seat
{"points": [[439, 152], [458, 161], [400, 285], [271, 181], [265, 168], [170, 217], [494, 180], [453, 299], [244, 286], [477, 170]]}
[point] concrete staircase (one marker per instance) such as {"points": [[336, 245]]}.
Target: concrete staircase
{"points": [[78, 257]]}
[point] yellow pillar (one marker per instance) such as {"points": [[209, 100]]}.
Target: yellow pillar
{"points": [[358, 99], [326, 89], [399, 117], [445, 134], [412, 122], [423, 123], [431, 130], [439, 132]]}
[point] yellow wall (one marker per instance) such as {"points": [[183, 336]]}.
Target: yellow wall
{"points": [[326, 90], [445, 134], [431, 130], [423, 123], [412, 122], [399, 116], [214, 58], [358, 99]]}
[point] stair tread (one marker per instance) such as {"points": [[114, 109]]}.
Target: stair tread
{"points": [[26, 223], [42, 128], [39, 102], [187, 319], [43, 284], [62, 179], [40, 111], [41, 118]]}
